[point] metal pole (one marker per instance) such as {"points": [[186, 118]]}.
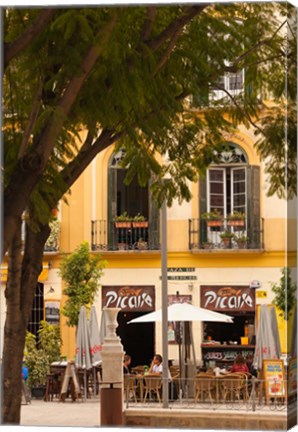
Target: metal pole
{"points": [[164, 305]]}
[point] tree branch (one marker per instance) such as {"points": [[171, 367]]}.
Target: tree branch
{"points": [[168, 50], [179, 23], [14, 48], [151, 12], [233, 68], [31, 121]]}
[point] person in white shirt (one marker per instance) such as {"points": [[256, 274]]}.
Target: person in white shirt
{"points": [[156, 365], [156, 369]]}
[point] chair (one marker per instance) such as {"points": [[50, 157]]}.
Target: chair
{"points": [[205, 385], [152, 385], [53, 386], [233, 387], [130, 387]]}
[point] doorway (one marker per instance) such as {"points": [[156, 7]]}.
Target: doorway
{"points": [[137, 339]]}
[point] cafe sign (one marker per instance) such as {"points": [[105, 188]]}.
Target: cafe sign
{"points": [[129, 298], [228, 298]]}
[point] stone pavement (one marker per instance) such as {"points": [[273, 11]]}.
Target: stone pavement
{"points": [[68, 413]]}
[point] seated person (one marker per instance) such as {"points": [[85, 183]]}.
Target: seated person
{"points": [[239, 364], [156, 368], [126, 364], [156, 365]]}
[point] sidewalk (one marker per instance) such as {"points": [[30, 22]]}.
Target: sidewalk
{"points": [[68, 413]]}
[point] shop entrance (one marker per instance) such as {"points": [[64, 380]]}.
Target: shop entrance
{"points": [[137, 339]]}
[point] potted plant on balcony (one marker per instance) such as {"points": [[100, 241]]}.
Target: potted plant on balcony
{"points": [[139, 221], [207, 245], [142, 244], [236, 219], [241, 241], [122, 221], [213, 218], [226, 238]]}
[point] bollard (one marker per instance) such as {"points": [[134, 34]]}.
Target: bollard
{"points": [[111, 405]]}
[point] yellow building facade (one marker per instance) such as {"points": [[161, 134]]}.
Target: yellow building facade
{"points": [[132, 277]]}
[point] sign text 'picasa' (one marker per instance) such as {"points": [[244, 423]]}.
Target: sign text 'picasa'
{"points": [[129, 298]]}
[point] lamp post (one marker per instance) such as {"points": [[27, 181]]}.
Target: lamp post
{"points": [[164, 301]]}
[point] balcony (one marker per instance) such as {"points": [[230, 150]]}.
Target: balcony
{"points": [[203, 234], [105, 236]]}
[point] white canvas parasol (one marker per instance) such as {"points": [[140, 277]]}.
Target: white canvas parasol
{"points": [[184, 312]]}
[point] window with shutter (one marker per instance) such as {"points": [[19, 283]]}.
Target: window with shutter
{"points": [[232, 186]]}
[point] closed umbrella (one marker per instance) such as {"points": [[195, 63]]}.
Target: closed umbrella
{"points": [[275, 331], [83, 356], [95, 343], [95, 340], [265, 342]]}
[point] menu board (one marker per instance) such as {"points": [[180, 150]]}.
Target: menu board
{"points": [[292, 376], [274, 378]]}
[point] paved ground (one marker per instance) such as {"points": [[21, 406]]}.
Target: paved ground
{"points": [[80, 414]]}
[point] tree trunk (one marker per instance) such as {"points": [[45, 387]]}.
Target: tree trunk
{"points": [[19, 293]]}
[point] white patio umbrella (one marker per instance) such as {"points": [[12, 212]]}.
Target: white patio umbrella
{"points": [[184, 312], [265, 342], [83, 357]]}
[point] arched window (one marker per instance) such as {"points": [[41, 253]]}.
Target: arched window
{"points": [[233, 185], [227, 182]]}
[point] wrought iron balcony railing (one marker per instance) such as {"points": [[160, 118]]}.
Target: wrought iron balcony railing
{"points": [[225, 234], [106, 236]]}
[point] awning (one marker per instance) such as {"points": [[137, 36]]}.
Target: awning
{"points": [[42, 277]]}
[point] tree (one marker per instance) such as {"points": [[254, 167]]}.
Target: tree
{"points": [[285, 293], [81, 272], [125, 75]]}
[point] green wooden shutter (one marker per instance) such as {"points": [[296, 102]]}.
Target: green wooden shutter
{"points": [[154, 216], [202, 228], [112, 206], [253, 206]]}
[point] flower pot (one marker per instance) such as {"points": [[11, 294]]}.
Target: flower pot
{"points": [[226, 242], [124, 224], [140, 224], [38, 392], [142, 245], [242, 244], [207, 245], [214, 223], [122, 246], [236, 222]]}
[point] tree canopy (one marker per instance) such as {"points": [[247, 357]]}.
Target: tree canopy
{"points": [[127, 76]]}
